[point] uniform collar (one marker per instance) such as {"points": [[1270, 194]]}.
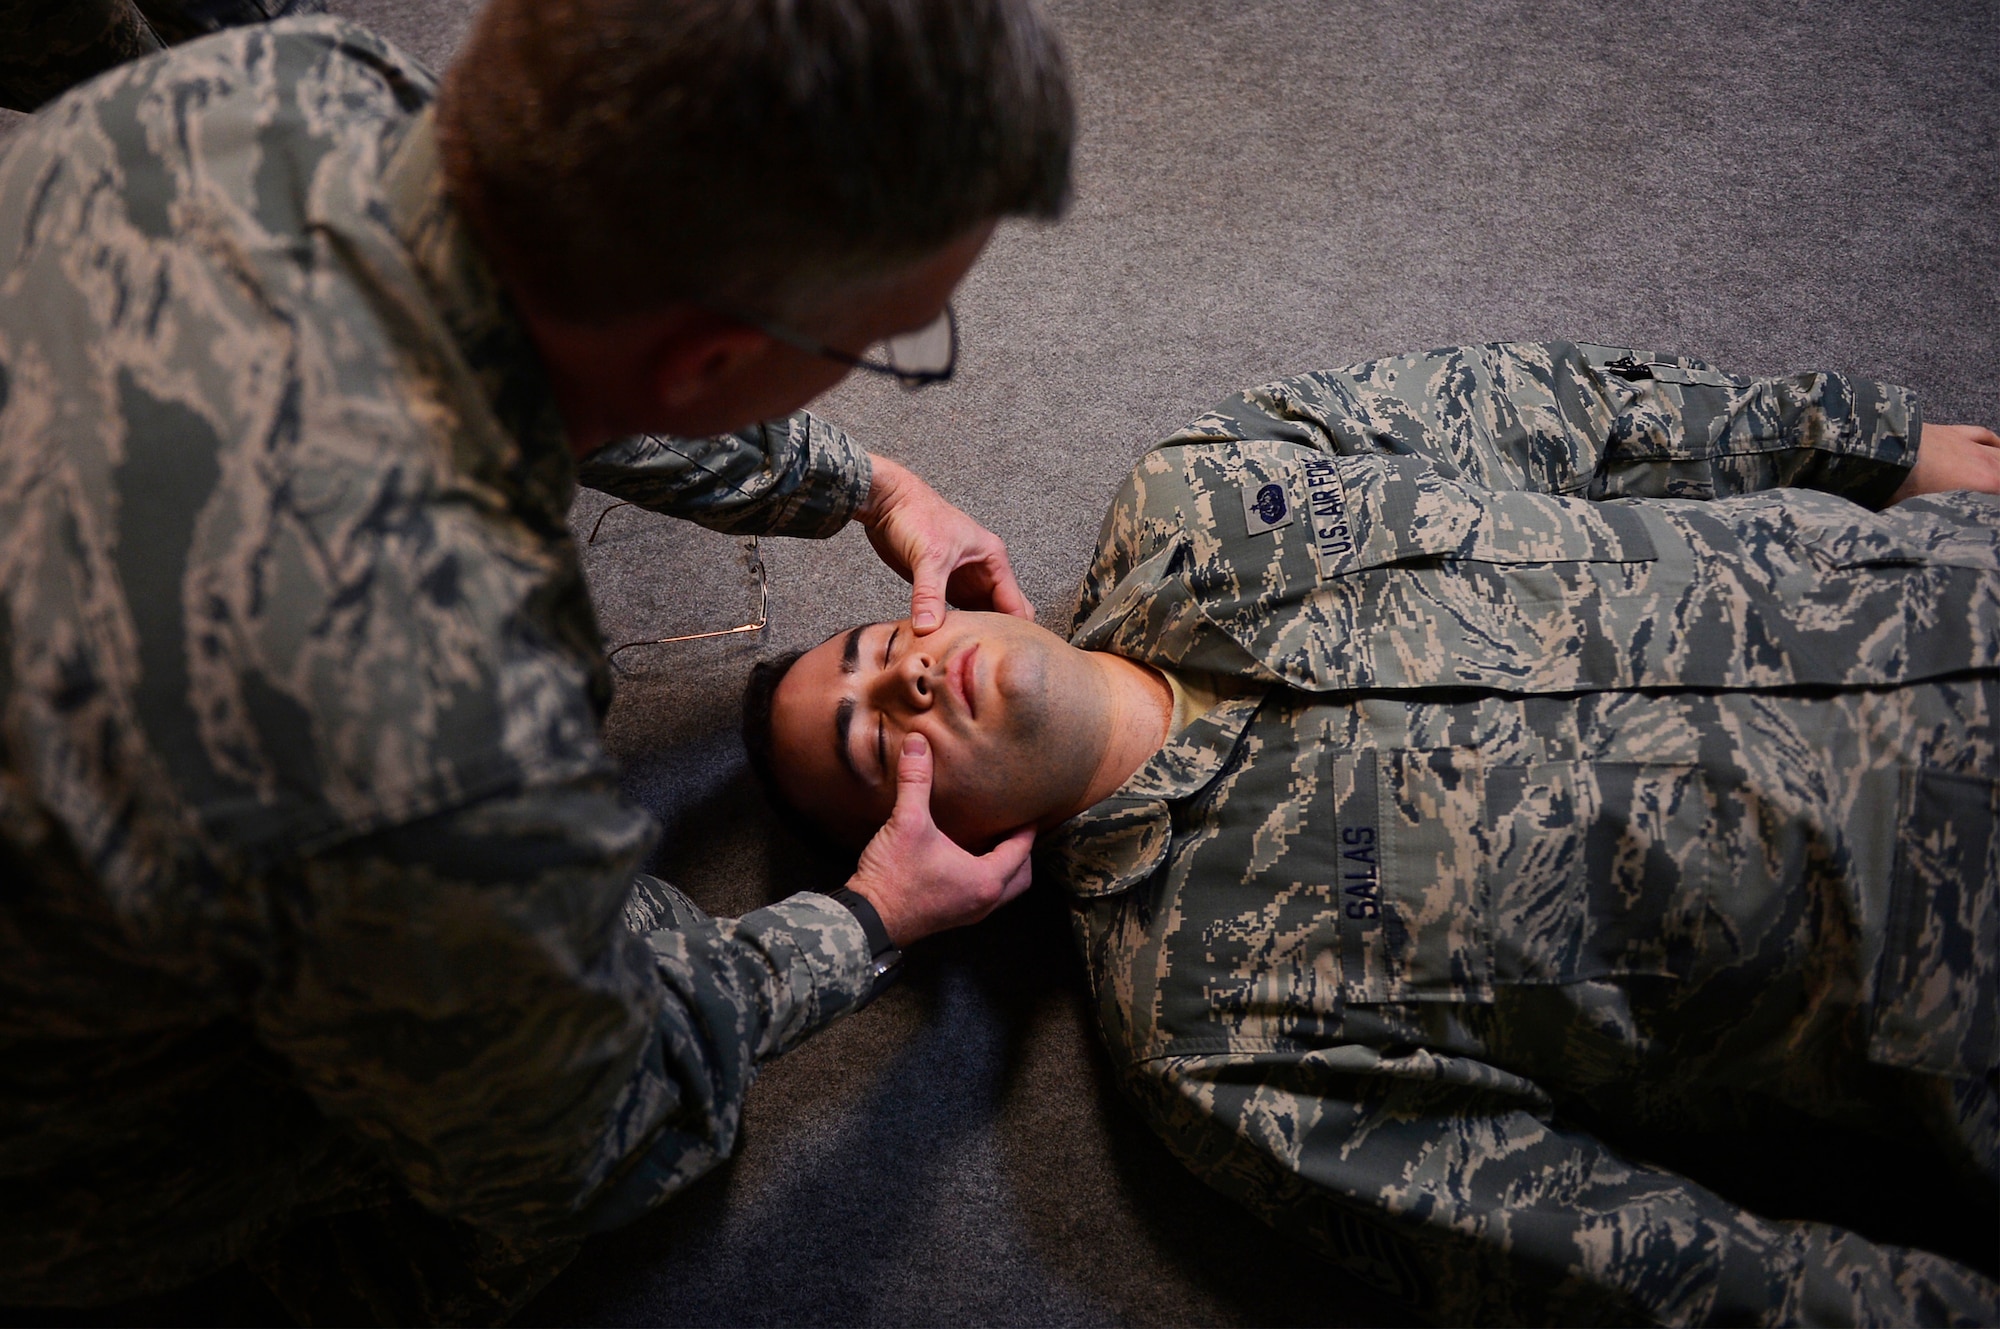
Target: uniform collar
{"points": [[1155, 616], [1117, 843]]}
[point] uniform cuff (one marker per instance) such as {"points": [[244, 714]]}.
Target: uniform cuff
{"points": [[887, 965], [823, 963], [838, 476]]}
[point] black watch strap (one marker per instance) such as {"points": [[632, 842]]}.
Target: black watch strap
{"points": [[886, 961]]}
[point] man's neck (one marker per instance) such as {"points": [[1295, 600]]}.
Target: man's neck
{"points": [[1142, 713], [594, 371]]}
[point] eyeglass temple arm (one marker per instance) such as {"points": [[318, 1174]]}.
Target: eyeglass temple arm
{"points": [[762, 621]]}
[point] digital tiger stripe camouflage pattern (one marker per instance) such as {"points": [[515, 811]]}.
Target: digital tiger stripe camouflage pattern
{"points": [[1612, 767], [315, 871]]}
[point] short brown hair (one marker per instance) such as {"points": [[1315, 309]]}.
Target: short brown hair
{"points": [[753, 155], [760, 695]]}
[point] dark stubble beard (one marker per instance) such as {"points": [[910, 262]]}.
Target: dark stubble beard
{"points": [[1058, 722]]}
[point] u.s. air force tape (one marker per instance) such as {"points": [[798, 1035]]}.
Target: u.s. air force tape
{"points": [[1333, 535]]}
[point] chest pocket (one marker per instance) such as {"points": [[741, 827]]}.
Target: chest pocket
{"points": [[1457, 877]]}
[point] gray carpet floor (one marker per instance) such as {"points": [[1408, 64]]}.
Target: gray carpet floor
{"points": [[1264, 187]]}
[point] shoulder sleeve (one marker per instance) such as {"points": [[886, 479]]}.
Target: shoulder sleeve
{"points": [[1592, 422], [1450, 1184], [465, 994], [799, 476]]}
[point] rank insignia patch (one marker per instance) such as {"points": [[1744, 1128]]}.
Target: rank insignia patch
{"points": [[1266, 507]]}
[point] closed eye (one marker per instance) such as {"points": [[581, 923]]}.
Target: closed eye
{"points": [[843, 720], [881, 731]]}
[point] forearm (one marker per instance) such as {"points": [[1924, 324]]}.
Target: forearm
{"points": [[466, 996], [799, 476], [1502, 416], [887, 480], [1590, 421], [750, 988], [1684, 430]]}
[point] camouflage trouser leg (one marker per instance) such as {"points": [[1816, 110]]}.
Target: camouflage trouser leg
{"points": [[1976, 1113], [178, 20], [48, 47], [1965, 1117], [398, 1263], [394, 1262]]}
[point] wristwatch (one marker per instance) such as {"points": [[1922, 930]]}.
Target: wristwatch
{"points": [[886, 966]]}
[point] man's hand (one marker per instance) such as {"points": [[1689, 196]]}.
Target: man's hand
{"points": [[939, 550], [917, 878], [1953, 457]]}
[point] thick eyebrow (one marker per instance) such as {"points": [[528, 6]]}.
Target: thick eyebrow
{"points": [[843, 721], [850, 651]]}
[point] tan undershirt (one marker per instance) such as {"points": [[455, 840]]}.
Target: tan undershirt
{"points": [[1196, 693]]}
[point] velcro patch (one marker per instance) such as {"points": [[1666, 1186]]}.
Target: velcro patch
{"points": [[1266, 507]]}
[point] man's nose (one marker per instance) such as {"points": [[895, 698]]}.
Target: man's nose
{"points": [[910, 683]]}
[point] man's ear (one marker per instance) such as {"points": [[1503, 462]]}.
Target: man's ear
{"points": [[693, 362]]}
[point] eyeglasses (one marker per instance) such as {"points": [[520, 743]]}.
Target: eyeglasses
{"points": [[752, 559], [914, 359]]}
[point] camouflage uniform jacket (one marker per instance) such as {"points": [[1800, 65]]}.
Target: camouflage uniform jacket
{"points": [[1611, 773], [311, 862]]}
